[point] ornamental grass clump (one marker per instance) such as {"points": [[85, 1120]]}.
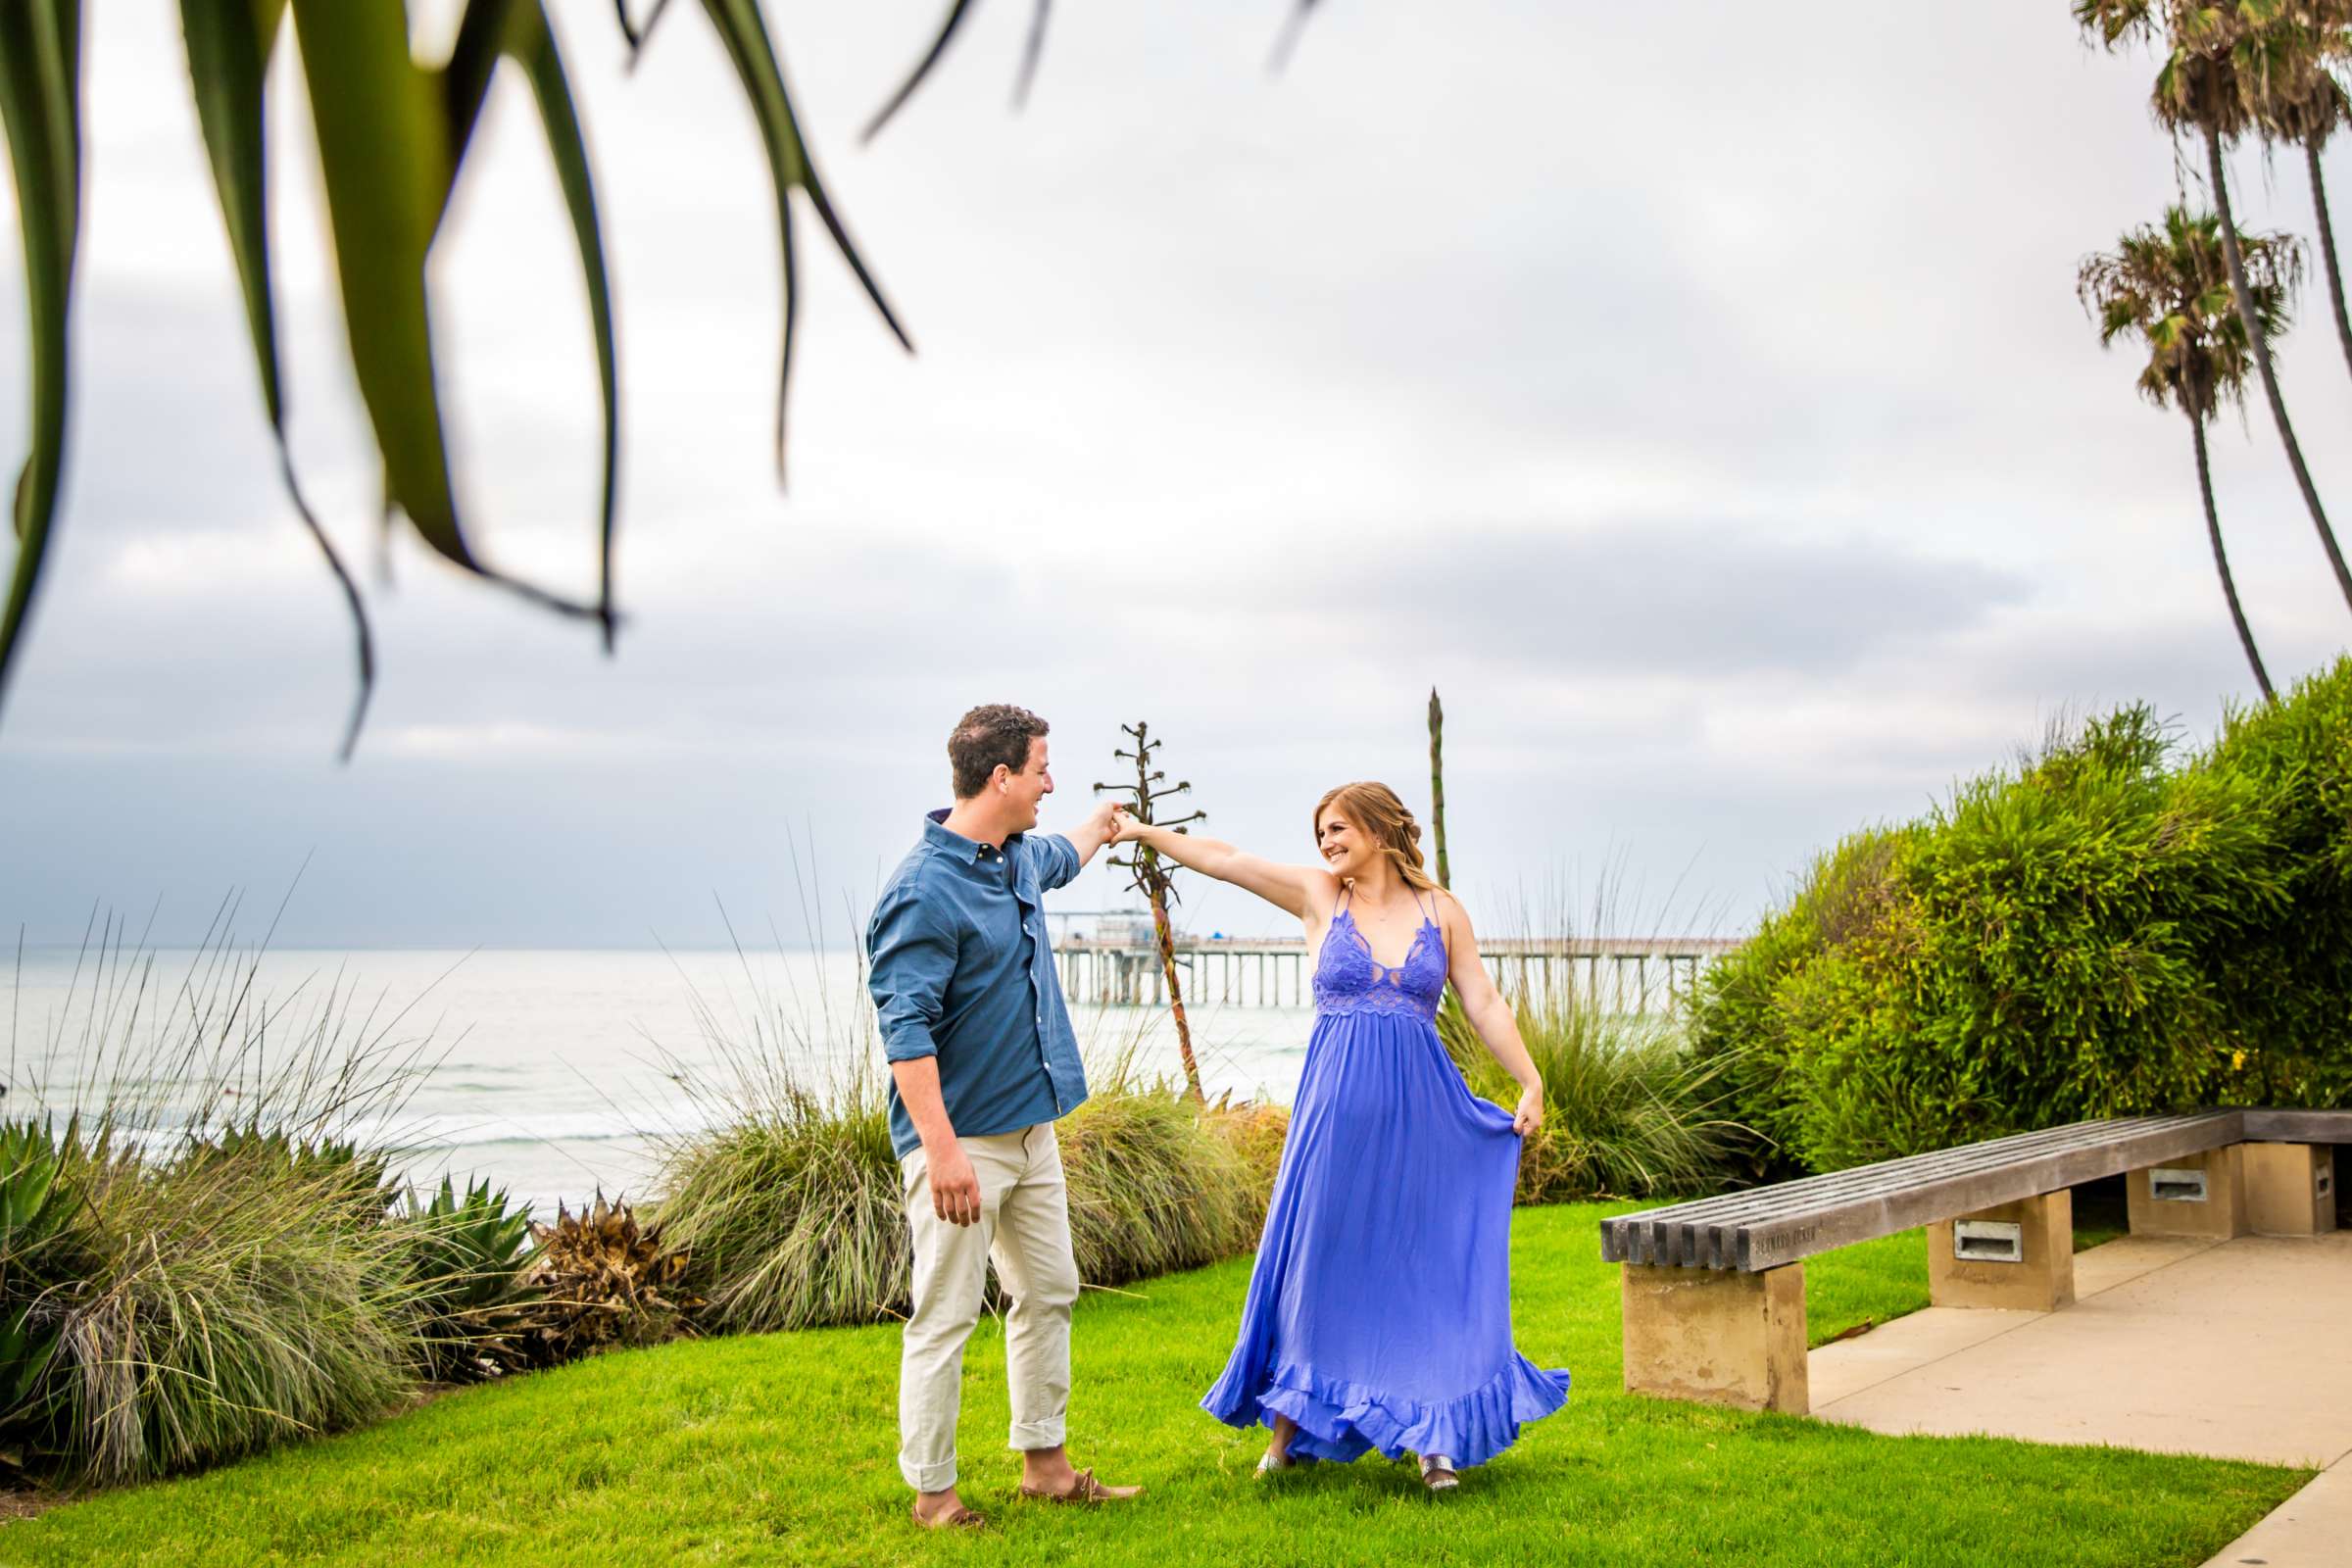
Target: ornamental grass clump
{"points": [[1628, 1110], [789, 1199], [218, 1306], [1153, 1185], [795, 1216], [786, 1200], [1256, 1132], [208, 1272]]}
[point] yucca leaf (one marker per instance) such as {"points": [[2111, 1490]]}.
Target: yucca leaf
{"points": [[741, 30], [385, 155], [519, 30], [229, 44], [922, 68], [639, 32], [466, 81], [1032, 50], [1288, 39], [40, 72], [531, 40]]}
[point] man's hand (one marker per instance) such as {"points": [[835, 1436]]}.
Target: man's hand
{"points": [[1097, 830], [954, 1184]]}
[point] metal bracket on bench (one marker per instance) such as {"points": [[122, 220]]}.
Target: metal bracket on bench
{"points": [[1988, 1241], [2167, 1185]]}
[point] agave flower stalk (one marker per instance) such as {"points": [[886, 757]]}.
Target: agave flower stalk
{"points": [[1154, 878]]}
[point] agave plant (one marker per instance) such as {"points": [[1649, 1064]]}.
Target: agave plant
{"points": [[34, 1208], [605, 1282], [467, 1256], [392, 132]]}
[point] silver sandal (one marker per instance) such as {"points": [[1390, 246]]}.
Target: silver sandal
{"points": [[1436, 1473], [1268, 1465]]}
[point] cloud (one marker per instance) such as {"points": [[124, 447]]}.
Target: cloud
{"points": [[1703, 408]]}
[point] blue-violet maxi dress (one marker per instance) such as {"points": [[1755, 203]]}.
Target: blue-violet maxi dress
{"points": [[1379, 1312]]}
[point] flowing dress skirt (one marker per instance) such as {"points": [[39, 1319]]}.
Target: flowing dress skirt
{"points": [[1378, 1314]]}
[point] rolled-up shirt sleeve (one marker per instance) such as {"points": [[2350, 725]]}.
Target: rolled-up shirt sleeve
{"points": [[911, 954], [1056, 860]]}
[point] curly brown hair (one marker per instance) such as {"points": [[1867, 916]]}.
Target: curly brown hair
{"points": [[1375, 808], [991, 734]]}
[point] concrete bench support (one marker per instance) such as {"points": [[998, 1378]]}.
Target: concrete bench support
{"points": [[1970, 1261], [2160, 1206], [1720, 1336], [2290, 1189]]}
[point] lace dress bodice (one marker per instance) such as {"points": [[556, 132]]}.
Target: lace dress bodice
{"points": [[1348, 979]]}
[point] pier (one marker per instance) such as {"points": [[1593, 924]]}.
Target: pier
{"points": [[1120, 967]]}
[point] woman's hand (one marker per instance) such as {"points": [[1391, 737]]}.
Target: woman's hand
{"points": [[1124, 828], [1530, 1114]]}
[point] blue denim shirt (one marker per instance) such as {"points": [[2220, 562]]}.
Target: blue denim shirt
{"points": [[961, 970]]}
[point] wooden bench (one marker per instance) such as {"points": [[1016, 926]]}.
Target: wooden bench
{"points": [[1714, 1291]]}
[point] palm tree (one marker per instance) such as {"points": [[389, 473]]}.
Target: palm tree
{"points": [[2297, 99], [2170, 288], [2203, 87]]}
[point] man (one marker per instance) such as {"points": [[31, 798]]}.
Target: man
{"points": [[982, 1061]]}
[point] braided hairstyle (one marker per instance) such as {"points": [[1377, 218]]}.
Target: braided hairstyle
{"points": [[1374, 808]]}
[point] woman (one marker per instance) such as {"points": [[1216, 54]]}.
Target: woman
{"points": [[1379, 1312]]}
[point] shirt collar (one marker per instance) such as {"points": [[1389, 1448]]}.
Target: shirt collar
{"points": [[967, 850]]}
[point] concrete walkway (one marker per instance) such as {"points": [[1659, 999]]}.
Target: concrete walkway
{"points": [[2237, 1349]]}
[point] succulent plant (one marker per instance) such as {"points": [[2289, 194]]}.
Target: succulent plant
{"points": [[35, 1208], [605, 1282], [467, 1256]]}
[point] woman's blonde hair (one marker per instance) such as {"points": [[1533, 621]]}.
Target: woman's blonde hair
{"points": [[1375, 808]]}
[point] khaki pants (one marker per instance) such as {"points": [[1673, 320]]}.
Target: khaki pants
{"points": [[1025, 1229]]}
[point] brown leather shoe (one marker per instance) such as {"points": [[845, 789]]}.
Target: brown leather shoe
{"points": [[1083, 1489], [960, 1517]]}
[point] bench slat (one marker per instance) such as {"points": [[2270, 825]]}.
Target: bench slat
{"points": [[1766, 1227], [1812, 1193], [2299, 1126]]}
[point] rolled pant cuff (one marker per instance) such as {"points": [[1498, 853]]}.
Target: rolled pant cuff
{"points": [[928, 1477], [1037, 1435]]}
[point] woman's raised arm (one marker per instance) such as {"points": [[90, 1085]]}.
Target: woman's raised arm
{"points": [[1490, 1012], [1293, 889]]}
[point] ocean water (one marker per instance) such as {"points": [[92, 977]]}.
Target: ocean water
{"points": [[554, 1074]]}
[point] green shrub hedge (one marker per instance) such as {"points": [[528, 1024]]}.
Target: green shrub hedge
{"points": [[2113, 928]]}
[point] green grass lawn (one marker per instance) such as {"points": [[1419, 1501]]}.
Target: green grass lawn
{"points": [[780, 1449]]}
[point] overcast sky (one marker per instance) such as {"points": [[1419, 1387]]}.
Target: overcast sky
{"points": [[1700, 402]]}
